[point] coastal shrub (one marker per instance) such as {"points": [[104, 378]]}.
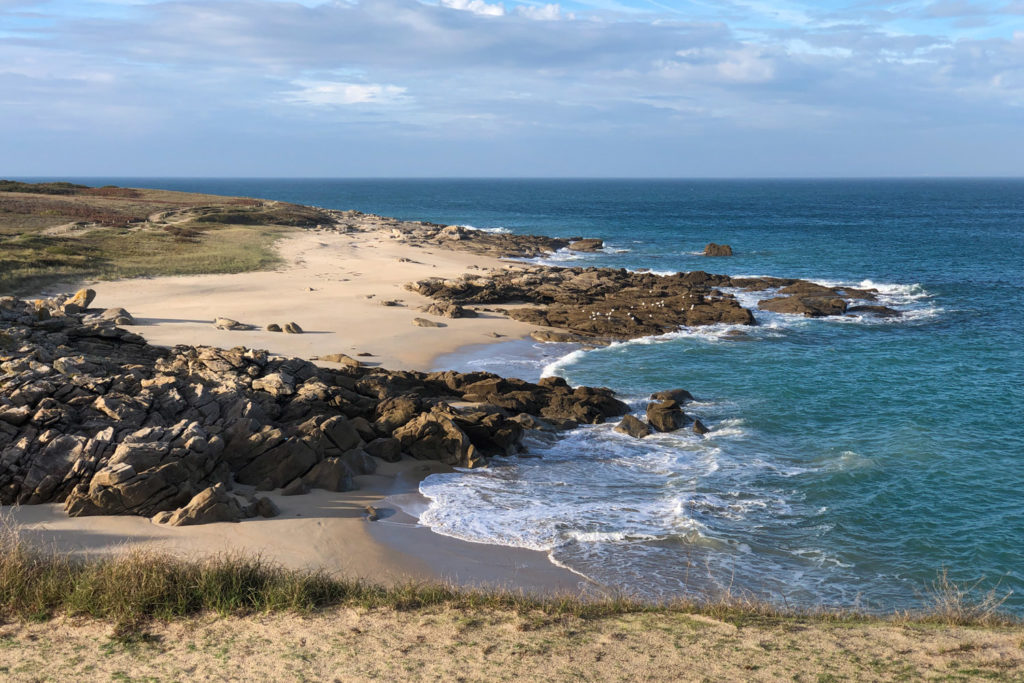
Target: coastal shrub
{"points": [[68, 210], [41, 188], [112, 191], [954, 604]]}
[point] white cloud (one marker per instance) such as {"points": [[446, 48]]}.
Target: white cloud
{"points": [[476, 7], [335, 94], [541, 13]]}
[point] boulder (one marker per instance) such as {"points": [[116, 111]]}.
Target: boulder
{"points": [[340, 358], [83, 298], [631, 426], [392, 413], [330, 474], [423, 322], [388, 449], [229, 324], [880, 311], [713, 249], [341, 432], [278, 465], [364, 428], [680, 396], [807, 306], [273, 327], [806, 288], [435, 436], [292, 328], [212, 504], [276, 384], [666, 416], [589, 244], [699, 428], [446, 309], [584, 404], [118, 316], [296, 487], [537, 424], [359, 461], [263, 507]]}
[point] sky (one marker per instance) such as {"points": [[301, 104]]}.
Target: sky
{"points": [[526, 88]]}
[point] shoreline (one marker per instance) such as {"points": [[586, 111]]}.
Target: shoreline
{"points": [[320, 530], [332, 284]]}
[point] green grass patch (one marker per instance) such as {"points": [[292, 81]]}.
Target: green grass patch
{"points": [[30, 261]]}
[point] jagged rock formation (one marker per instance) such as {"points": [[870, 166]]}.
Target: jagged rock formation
{"points": [[94, 417], [595, 303], [606, 304]]}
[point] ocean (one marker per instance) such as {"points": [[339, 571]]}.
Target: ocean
{"points": [[850, 460]]}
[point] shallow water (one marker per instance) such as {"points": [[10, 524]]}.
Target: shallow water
{"points": [[850, 459]]}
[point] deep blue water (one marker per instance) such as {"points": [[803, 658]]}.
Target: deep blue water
{"points": [[850, 460]]}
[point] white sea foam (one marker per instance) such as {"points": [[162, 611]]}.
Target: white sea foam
{"points": [[498, 229], [606, 537], [552, 369]]}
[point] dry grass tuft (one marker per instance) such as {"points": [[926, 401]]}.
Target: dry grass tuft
{"points": [[37, 584]]}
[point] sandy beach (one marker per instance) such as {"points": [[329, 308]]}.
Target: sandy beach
{"points": [[331, 284]]}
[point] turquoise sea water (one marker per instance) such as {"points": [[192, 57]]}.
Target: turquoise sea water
{"points": [[849, 460]]}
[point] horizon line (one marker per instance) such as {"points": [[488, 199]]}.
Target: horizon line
{"points": [[445, 177]]}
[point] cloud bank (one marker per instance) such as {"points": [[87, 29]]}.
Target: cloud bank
{"points": [[470, 87]]}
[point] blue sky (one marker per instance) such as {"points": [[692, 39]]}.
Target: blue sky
{"points": [[614, 88]]}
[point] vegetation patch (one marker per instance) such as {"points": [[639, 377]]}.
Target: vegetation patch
{"points": [[131, 588], [53, 232], [41, 188]]}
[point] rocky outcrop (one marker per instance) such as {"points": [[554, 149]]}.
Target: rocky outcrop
{"points": [[216, 504], [459, 237], [589, 244], [436, 436], [807, 306], [93, 417], [594, 303], [597, 305], [713, 249], [340, 358], [634, 427], [423, 322], [446, 309], [680, 396], [666, 416]]}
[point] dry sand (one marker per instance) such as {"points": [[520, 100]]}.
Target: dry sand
{"points": [[325, 286], [485, 645]]}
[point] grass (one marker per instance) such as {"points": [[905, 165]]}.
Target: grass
{"points": [[58, 232], [31, 261], [36, 584]]}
